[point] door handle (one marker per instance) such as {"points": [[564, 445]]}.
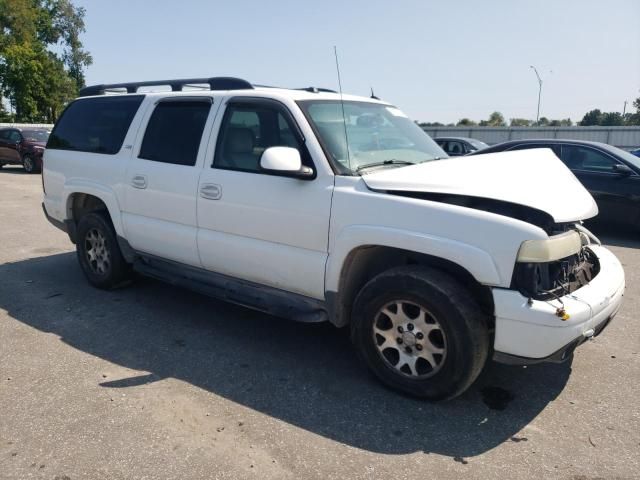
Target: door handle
{"points": [[139, 181], [210, 191]]}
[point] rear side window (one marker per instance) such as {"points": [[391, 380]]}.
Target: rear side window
{"points": [[95, 125], [174, 132]]}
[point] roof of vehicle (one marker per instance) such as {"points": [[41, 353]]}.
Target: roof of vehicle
{"points": [[208, 86], [465, 139]]}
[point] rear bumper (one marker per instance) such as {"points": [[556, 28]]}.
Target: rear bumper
{"points": [[530, 332], [67, 226]]}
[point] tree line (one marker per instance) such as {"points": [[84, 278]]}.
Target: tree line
{"points": [[42, 59], [591, 118]]}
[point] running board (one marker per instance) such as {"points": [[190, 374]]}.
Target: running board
{"points": [[241, 292]]}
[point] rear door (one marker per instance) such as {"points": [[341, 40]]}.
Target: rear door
{"points": [[159, 212], [615, 193]]}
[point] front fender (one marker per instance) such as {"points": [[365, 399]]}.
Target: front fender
{"points": [[101, 191], [476, 261]]}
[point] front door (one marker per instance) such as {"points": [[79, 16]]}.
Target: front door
{"points": [[615, 193], [255, 226], [159, 212]]}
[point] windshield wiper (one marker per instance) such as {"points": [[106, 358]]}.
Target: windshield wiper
{"points": [[393, 161]]}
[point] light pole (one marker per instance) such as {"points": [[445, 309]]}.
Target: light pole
{"points": [[539, 91]]}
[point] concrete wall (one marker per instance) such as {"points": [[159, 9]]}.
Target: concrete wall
{"points": [[627, 138]]}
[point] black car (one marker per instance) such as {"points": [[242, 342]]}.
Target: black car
{"points": [[23, 146], [610, 174], [456, 146]]}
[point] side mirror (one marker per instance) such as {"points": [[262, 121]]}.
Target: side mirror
{"points": [[286, 162], [623, 169]]}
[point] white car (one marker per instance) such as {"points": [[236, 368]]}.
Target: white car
{"points": [[318, 207]]}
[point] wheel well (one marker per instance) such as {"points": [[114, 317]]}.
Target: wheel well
{"points": [[366, 262], [82, 203]]}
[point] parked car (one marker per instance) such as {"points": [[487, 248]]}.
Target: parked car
{"points": [[636, 152], [317, 207], [611, 175], [456, 146], [23, 146]]}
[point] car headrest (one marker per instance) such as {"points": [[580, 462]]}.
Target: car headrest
{"points": [[239, 140]]}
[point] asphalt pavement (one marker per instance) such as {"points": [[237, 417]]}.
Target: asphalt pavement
{"points": [[154, 382]]}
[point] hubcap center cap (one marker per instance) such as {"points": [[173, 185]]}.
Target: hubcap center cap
{"points": [[409, 339]]}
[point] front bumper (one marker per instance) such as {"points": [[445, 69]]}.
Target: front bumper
{"points": [[530, 332]]}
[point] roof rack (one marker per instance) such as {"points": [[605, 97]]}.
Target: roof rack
{"points": [[215, 83]]}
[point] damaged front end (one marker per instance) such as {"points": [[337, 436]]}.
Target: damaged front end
{"points": [[548, 269]]}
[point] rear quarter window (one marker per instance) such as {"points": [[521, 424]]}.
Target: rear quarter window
{"points": [[95, 125]]}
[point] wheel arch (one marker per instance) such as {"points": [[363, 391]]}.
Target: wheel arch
{"points": [[364, 262], [83, 199]]}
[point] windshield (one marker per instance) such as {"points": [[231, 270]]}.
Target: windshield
{"points": [[377, 135], [36, 135], [632, 159]]}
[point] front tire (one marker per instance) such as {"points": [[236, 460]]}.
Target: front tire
{"points": [[29, 164], [98, 252], [420, 332]]}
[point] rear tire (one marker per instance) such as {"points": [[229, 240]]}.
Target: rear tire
{"points": [[420, 332], [99, 253]]}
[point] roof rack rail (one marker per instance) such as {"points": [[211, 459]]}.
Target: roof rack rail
{"points": [[316, 90], [215, 83]]}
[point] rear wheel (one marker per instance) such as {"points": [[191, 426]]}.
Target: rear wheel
{"points": [[420, 332], [98, 251]]}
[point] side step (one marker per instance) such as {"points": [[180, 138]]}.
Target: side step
{"points": [[241, 292]]}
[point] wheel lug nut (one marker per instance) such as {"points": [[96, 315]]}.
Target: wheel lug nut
{"points": [[408, 349], [400, 329], [399, 340], [419, 336], [418, 347], [410, 326]]}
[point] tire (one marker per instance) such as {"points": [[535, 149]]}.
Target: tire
{"points": [[98, 251], [435, 340], [29, 164]]}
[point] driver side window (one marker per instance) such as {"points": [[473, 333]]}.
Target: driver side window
{"points": [[586, 159], [247, 131]]}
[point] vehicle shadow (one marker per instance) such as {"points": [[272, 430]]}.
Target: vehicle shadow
{"points": [[304, 374]]}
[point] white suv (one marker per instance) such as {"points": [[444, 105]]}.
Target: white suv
{"points": [[317, 207]]}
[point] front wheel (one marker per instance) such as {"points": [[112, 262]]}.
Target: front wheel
{"points": [[98, 252], [420, 332], [29, 164]]}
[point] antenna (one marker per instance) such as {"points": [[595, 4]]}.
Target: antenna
{"points": [[373, 95], [344, 118]]}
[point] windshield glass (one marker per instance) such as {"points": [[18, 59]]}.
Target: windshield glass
{"points": [[377, 135], [36, 135], [632, 159]]}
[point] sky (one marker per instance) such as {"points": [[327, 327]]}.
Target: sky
{"points": [[436, 60]]}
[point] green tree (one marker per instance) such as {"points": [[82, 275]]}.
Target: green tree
{"points": [[465, 122], [612, 119], [42, 60], [592, 117], [496, 119], [520, 122]]}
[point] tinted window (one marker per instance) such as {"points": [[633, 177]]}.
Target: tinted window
{"points": [[248, 130], [174, 132], [586, 159], [14, 136], [4, 134], [96, 125]]}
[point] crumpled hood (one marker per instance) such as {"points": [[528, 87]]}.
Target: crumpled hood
{"points": [[535, 178]]}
